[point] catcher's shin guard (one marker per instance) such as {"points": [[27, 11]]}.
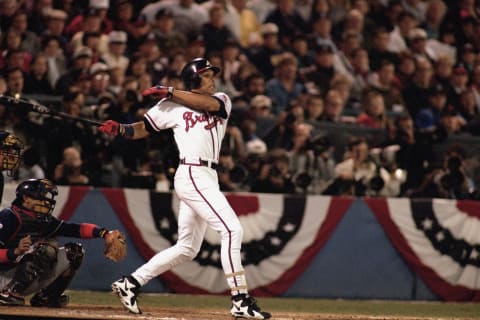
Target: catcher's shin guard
{"points": [[52, 296], [35, 265], [127, 289]]}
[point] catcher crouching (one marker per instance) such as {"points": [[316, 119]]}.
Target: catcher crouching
{"points": [[31, 259]]}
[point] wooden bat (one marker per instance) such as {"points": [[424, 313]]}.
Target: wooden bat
{"points": [[16, 101]]}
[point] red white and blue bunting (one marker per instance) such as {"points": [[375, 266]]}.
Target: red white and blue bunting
{"points": [[439, 239], [282, 234]]}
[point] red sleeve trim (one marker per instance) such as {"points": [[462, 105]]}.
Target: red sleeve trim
{"points": [[86, 230], [4, 256]]}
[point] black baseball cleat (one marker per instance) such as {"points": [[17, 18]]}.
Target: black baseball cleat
{"points": [[8, 298], [127, 289], [42, 300], [244, 306]]}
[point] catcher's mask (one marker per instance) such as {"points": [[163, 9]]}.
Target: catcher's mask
{"points": [[10, 153], [190, 74], [42, 191]]}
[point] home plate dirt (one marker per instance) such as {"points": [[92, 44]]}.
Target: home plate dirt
{"points": [[73, 312]]}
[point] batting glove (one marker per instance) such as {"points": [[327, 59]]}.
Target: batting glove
{"points": [[110, 127], [159, 92]]}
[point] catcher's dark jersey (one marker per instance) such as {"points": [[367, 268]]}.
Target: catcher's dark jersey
{"points": [[16, 223]]}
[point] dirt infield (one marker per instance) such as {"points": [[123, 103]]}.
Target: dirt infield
{"points": [[73, 312]]}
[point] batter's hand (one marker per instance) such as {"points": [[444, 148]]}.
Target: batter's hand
{"points": [[23, 245], [159, 92], [110, 127]]}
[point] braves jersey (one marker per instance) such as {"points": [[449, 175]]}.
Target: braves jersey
{"points": [[198, 134]]}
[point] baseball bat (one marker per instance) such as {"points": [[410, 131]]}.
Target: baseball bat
{"points": [[40, 108]]}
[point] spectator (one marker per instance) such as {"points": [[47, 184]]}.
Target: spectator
{"points": [[7, 11], [321, 32], [467, 109], [116, 55], [398, 37], [55, 27], [383, 81], [405, 69], [301, 50], [466, 55], [15, 82], [188, 16], [100, 77], [458, 84], [443, 70], [249, 33], [428, 118], [155, 59], [416, 7], [434, 14], [289, 22], [313, 108], [36, 81], [318, 77], [261, 106], [231, 14], [379, 51], [125, 20], [360, 171], [253, 85], [169, 40], [29, 40], [285, 86], [262, 57], [417, 43], [333, 110], [416, 92], [91, 27], [274, 175], [12, 47], [57, 62], [69, 171], [360, 75], [82, 59], [215, 32], [30, 167], [38, 16], [373, 114], [413, 154], [99, 6]]}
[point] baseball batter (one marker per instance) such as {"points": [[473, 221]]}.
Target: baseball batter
{"points": [[198, 117]]}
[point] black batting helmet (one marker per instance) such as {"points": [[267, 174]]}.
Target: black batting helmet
{"points": [[38, 189], [191, 72]]}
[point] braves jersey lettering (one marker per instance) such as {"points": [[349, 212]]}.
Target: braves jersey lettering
{"points": [[191, 120]]}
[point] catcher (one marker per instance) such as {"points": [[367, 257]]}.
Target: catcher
{"points": [[31, 260]]}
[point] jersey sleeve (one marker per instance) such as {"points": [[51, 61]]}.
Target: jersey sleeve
{"points": [[161, 116], [9, 227], [225, 101]]}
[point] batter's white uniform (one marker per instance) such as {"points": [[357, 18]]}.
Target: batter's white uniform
{"points": [[198, 136]]}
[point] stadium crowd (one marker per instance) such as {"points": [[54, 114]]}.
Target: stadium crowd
{"points": [[300, 74]]}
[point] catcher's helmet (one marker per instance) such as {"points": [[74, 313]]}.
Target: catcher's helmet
{"points": [[38, 189], [10, 150], [190, 74]]}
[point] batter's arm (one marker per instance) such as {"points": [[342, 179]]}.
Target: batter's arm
{"points": [[136, 130], [197, 101]]}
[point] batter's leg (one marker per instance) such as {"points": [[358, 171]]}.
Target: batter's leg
{"points": [[213, 207], [191, 230]]}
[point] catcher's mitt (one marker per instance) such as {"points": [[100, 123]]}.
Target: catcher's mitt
{"points": [[115, 245]]}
